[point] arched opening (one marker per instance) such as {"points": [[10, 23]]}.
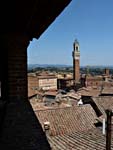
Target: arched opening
{"points": [[19, 127], [92, 42]]}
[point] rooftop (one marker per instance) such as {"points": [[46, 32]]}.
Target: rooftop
{"points": [[91, 140], [89, 92], [68, 120]]}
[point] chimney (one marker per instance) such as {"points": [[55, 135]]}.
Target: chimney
{"points": [[106, 71], [46, 127]]}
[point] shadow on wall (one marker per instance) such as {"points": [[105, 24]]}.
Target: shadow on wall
{"points": [[21, 129]]}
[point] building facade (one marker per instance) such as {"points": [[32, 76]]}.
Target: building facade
{"points": [[41, 82], [65, 83], [47, 82]]}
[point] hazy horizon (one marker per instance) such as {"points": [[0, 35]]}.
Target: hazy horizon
{"points": [[72, 65]]}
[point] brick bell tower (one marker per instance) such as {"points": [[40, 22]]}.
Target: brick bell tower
{"points": [[76, 61]]}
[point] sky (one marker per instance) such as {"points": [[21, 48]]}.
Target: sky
{"points": [[88, 21]]}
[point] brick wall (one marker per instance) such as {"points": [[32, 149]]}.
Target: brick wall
{"points": [[20, 128], [32, 85], [76, 70]]}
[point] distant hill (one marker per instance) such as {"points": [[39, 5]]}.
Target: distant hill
{"points": [[99, 66], [33, 66]]}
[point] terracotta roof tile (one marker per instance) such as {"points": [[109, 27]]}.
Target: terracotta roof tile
{"points": [[91, 140], [89, 92], [68, 120], [106, 102]]}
